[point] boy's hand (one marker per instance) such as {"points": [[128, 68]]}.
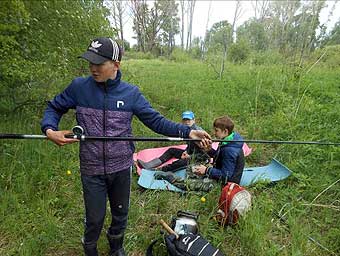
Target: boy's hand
{"points": [[200, 169], [199, 134], [58, 137], [206, 144]]}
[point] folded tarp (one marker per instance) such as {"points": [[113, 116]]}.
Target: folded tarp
{"points": [[272, 172], [151, 153]]}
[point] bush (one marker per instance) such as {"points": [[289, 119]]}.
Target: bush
{"points": [[239, 52], [330, 56], [269, 57], [179, 55], [138, 55], [163, 58]]}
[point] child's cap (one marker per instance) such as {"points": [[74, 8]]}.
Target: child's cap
{"points": [[188, 115], [102, 49]]}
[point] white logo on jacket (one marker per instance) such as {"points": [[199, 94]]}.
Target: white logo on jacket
{"points": [[120, 103]]}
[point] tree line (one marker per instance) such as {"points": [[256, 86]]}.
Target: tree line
{"points": [[281, 25], [290, 29]]}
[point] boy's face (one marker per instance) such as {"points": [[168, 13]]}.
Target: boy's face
{"points": [[219, 133], [188, 122], [103, 72]]}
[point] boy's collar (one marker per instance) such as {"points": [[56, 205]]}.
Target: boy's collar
{"points": [[227, 139]]}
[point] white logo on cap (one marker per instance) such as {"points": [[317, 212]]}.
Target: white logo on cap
{"points": [[95, 44]]}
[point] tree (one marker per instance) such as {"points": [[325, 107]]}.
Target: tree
{"points": [[260, 9], [197, 47], [119, 14], [75, 22], [292, 26], [207, 42], [237, 15], [279, 22], [220, 36], [155, 26], [253, 31], [183, 4], [239, 52], [140, 13], [170, 25], [14, 21], [218, 32], [333, 37], [46, 37], [190, 17]]}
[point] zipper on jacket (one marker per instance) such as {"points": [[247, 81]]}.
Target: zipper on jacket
{"points": [[104, 126]]}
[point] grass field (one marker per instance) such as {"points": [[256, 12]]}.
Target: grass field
{"points": [[41, 207]]}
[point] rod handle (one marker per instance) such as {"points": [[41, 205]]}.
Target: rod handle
{"points": [[71, 136], [168, 229]]}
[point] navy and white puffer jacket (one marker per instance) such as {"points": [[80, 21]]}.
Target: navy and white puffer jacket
{"points": [[106, 109], [226, 159]]}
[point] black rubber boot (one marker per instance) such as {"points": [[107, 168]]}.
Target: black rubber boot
{"points": [[116, 244], [151, 164], [169, 176], [90, 249]]}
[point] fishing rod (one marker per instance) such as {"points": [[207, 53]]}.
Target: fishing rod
{"points": [[78, 133], [176, 139]]}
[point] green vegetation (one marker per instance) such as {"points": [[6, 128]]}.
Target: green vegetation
{"points": [[41, 209], [277, 77]]}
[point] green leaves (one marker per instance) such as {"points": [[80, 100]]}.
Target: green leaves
{"points": [[39, 45]]}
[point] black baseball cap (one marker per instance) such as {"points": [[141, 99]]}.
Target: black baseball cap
{"points": [[102, 49]]}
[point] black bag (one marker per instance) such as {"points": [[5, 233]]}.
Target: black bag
{"points": [[190, 245]]}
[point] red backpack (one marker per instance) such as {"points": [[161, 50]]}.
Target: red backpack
{"points": [[234, 202]]}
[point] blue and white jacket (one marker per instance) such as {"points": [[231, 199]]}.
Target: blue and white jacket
{"points": [[106, 109]]}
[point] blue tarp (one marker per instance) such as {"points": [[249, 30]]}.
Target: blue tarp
{"points": [[273, 172]]}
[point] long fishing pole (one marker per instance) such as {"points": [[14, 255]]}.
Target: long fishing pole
{"points": [[176, 139], [78, 133], [161, 139]]}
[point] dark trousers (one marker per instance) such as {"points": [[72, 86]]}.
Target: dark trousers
{"points": [[176, 165], [96, 190]]}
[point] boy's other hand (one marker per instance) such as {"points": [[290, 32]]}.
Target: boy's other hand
{"points": [[206, 144], [58, 137], [199, 134]]}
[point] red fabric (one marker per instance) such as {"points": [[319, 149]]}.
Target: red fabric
{"points": [[227, 194]]}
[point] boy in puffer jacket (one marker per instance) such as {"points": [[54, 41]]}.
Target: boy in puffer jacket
{"points": [[228, 158], [105, 106]]}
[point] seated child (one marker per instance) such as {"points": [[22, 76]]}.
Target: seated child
{"points": [[228, 158], [192, 152], [228, 162]]}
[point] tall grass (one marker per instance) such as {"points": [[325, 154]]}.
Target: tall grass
{"points": [[41, 208]]}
